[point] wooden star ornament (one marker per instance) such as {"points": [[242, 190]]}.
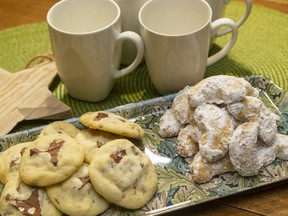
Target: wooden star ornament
{"points": [[25, 95]]}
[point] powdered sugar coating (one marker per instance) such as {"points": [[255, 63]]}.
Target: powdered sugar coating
{"points": [[247, 109], [187, 142], [203, 171], [243, 149], [268, 126], [181, 109], [169, 125], [281, 143], [253, 109], [217, 127], [221, 89], [266, 154]]}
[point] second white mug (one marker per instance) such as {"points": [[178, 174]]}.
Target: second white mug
{"points": [[129, 17], [177, 37], [218, 8]]}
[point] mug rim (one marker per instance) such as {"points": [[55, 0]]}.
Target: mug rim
{"points": [[49, 21], [173, 35]]}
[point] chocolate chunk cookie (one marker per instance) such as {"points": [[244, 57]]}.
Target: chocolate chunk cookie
{"points": [[20, 199], [112, 123], [123, 174], [76, 195], [50, 159]]}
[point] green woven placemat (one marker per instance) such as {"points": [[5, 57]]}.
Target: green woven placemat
{"points": [[261, 49]]}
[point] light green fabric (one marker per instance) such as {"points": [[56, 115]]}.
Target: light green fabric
{"points": [[261, 49]]}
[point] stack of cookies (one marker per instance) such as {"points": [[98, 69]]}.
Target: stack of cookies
{"points": [[77, 172], [222, 126]]}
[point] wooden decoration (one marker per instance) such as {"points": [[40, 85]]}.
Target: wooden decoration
{"points": [[25, 95]]}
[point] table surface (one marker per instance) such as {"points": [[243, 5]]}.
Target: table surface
{"points": [[14, 12], [267, 201]]}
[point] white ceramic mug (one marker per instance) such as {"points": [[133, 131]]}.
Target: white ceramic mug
{"points": [[218, 8], [86, 40], [129, 16], [129, 20], [177, 36]]}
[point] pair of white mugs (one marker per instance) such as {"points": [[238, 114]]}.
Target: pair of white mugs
{"points": [[87, 41]]}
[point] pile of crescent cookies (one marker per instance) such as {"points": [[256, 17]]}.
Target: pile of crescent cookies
{"points": [[222, 126], [77, 172]]}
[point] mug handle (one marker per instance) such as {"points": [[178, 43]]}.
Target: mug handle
{"points": [[240, 21], [137, 40], [215, 26]]}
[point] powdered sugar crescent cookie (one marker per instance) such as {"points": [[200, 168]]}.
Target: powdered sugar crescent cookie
{"points": [[180, 106], [281, 143], [253, 109], [243, 149], [266, 154], [221, 89], [267, 126], [76, 195], [188, 139], [112, 123], [217, 127], [123, 174], [10, 160], [20, 199], [203, 171], [50, 159], [169, 126], [91, 139], [247, 109], [60, 127]]}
